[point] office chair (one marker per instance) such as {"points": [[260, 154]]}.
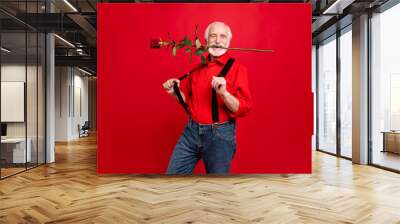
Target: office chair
{"points": [[84, 130]]}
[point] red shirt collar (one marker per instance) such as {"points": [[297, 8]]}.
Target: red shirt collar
{"points": [[221, 59]]}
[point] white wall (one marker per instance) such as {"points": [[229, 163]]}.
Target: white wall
{"points": [[71, 93], [12, 73], [314, 90], [61, 103], [80, 84], [34, 126], [16, 73]]}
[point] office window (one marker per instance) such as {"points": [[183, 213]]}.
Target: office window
{"points": [[385, 88], [41, 87], [22, 91], [31, 101], [327, 95], [346, 93], [15, 149]]}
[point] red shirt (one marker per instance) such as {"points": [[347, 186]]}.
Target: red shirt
{"points": [[199, 91]]}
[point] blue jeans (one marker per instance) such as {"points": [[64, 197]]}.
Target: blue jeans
{"points": [[214, 144]]}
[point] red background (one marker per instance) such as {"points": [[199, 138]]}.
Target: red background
{"points": [[139, 123]]}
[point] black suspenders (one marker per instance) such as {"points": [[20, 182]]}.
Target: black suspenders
{"points": [[214, 102], [178, 92], [180, 98]]}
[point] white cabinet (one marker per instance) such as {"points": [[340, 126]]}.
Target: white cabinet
{"points": [[17, 147]]}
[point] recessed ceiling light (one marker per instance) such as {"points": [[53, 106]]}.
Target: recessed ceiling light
{"points": [[84, 71], [64, 40], [338, 6], [70, 5], [5, 50]]}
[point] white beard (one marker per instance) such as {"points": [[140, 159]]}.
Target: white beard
{"points": [[216, 52]]}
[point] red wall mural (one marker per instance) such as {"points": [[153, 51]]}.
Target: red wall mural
{"points": [[139, 124]]}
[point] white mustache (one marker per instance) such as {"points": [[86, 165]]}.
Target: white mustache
{"points": [[216, 46]]}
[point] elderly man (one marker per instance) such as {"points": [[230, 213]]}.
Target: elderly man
{"points": [[217, 94]]}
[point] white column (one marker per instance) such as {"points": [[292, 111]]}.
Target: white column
{"points": [[360, 90], [50, 100], [50, 92]]}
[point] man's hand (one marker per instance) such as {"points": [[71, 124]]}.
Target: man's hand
{"points": [[219, 84], [169, 86]]}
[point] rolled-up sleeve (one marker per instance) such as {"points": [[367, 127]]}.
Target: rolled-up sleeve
{"points": [[241, 91]]}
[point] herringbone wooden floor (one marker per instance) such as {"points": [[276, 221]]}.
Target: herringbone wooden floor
{"points": [[70, 191]]}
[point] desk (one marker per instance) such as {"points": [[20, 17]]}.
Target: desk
{"points": [[391, 141], [13, 150]]}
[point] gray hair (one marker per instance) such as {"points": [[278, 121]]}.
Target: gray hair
{"points": [[207, 31]]}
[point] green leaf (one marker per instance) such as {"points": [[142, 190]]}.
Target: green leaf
{"points": [[203, 60], [180, 45], [187, 50], [187, 42], [173, 51], [200, 51]]}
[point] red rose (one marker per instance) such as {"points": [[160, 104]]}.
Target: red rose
{"points": [[155, 43]]}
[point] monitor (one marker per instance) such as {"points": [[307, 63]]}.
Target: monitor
{"points": [[3, 129]]}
